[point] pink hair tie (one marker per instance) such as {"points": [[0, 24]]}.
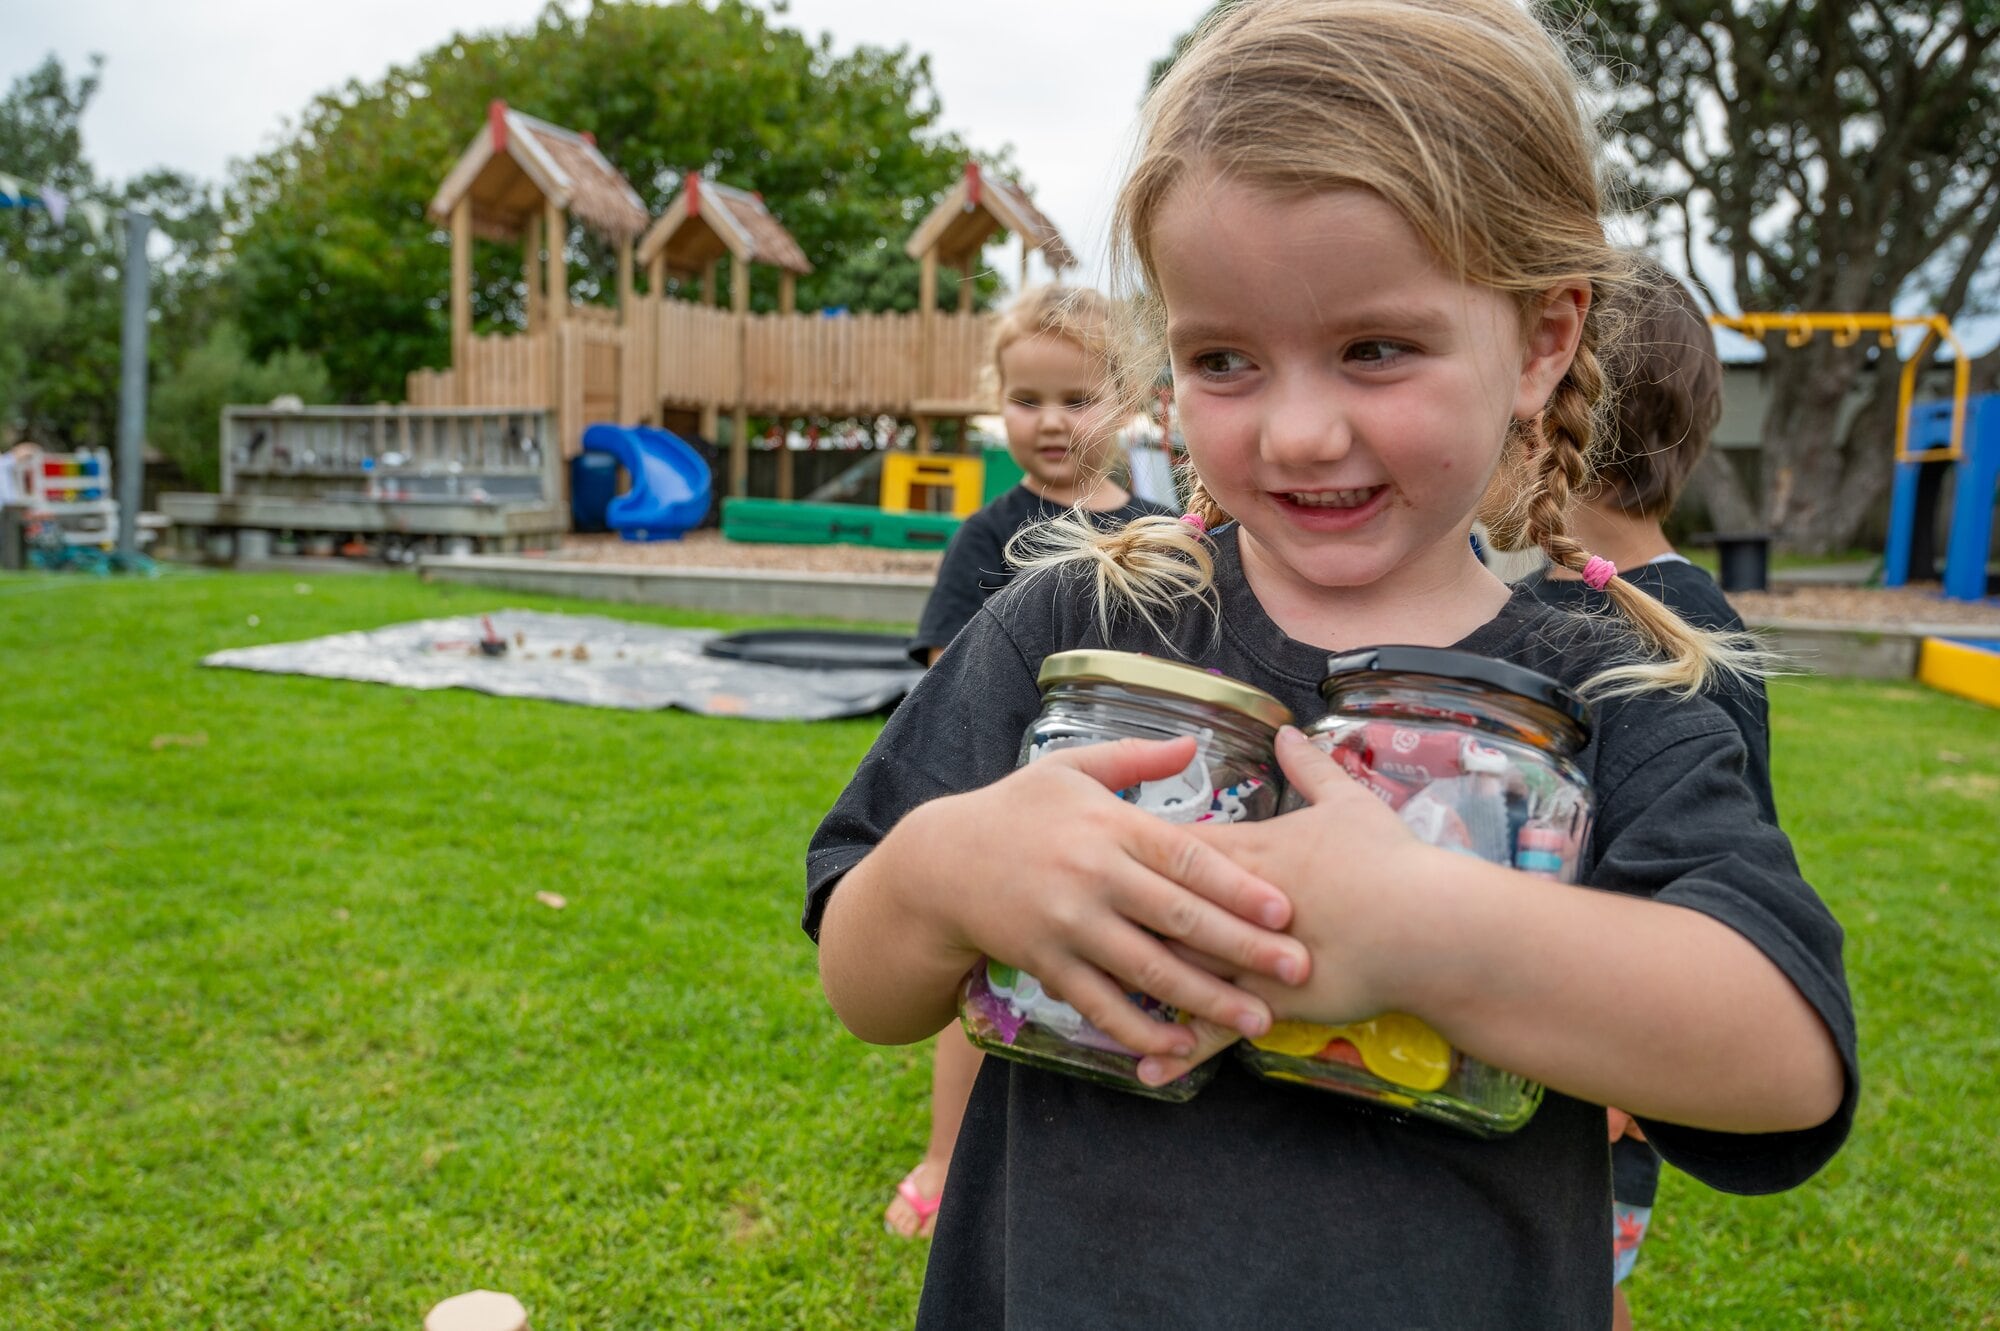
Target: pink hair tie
{"points": [[1598, 572], [1196, 521]]}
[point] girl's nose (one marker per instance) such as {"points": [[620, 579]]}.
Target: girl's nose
{"points": [[1305, 424]]}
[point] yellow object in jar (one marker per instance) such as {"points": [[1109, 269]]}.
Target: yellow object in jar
{"points": [[1394, 1046]]}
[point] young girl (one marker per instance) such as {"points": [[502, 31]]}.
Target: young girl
{"points": [[1371, 231], [1050, 359]]}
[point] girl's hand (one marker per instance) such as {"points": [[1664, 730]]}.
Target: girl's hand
{"points": [[1346, 861], [1048, 870]]}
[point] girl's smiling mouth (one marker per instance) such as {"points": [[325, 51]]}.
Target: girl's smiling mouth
{"points": [[1331, 510]]}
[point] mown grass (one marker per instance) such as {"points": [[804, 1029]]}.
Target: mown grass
{"points": [[287, 1040]]}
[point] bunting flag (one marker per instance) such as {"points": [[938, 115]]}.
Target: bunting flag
{"points": [[57, 203], [10, 192]]}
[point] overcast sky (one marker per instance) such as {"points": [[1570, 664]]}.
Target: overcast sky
{"points": [[192, 84]]}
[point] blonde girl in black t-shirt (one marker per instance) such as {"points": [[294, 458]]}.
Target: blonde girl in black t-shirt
{"points": [[1370, 241]]}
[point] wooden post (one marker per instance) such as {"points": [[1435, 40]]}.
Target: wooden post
{"points": [[558, 285], [787, 303], [708, 282], [739, 440], [555, 311], [531, 267], [965, 286], [1024, 263], [625, 282], [656, 295], [461, 290], [927, 280]]}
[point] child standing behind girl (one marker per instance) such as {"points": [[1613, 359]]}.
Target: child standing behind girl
{"points": [[1370, 229], [1051, 360]]}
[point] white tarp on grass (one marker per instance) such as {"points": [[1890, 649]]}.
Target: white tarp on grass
{"points": [[584, 659]]}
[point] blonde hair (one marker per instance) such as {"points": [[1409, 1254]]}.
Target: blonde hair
{"points": [[1075, 314], [1466, 117]]}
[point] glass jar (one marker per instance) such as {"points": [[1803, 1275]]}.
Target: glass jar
{"points": [[1478, 757], [1089, 697]]}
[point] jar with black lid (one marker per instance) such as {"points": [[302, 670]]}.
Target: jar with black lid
{"points": [[1090, 697], [1479, 757]]}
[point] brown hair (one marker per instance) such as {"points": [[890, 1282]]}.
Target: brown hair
{"points": [[1669, 397], [1466, 117]]}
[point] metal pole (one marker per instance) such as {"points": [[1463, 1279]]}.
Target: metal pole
{"points": [[132, 383]]}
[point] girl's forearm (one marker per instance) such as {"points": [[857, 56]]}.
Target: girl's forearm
{"points": [[890, 972], [1657, 1009]]}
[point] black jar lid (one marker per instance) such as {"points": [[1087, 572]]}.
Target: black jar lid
{"points": [[1463, 668]]}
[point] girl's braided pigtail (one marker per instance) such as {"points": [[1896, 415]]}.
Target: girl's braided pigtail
{"points": [[1687, 659]]}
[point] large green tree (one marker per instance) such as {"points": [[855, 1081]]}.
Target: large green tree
{"points": [[335, 253], [1845, 156]]}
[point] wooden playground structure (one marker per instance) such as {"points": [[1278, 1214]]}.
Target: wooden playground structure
{"points": [[659, 360]]}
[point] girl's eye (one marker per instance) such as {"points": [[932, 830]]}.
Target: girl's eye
{"points": [[1218, 364], [1377, 351], [1081, 402], [1017, 400]]}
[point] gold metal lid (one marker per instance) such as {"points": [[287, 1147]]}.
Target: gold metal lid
{"points": [[1137, 671]]}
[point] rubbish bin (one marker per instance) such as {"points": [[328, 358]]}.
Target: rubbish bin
{"points": [[593, 484], [1744, 559]]}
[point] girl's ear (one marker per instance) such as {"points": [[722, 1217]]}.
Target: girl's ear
{"points": [[1555, 327]]}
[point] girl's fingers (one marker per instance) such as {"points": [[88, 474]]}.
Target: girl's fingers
{"points": [[1201, 897], [1145, 964], [1179, 856], [1107, 1007], [1310, 772], [1126, 762], [1209, 1040]]}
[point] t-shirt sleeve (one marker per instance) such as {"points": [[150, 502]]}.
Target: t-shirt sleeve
{"points": [[1677, 822], [958, 730], [964, 579]]}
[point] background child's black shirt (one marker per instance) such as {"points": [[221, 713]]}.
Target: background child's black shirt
{"points": [[975, 563], [1258, 1205], [1693, 595]]}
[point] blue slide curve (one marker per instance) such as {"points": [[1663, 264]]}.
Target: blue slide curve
{"points": [[671, 485]]}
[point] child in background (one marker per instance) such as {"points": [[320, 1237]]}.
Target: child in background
{"points": [[1050, 359], [1370, 236], [1669, 394]]}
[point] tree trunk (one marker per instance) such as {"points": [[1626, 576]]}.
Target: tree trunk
{"points": [[1819, 485]]}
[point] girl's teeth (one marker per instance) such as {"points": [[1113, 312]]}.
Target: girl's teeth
{"points": [[1331, 498]]}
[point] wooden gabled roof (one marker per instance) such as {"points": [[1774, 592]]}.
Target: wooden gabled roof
{"points": [[516, 163], [707, 220], [978, 206]]}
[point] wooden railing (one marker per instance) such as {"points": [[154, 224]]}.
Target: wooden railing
{"points": [[681, 354]]}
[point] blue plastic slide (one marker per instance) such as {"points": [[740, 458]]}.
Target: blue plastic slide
{"points": [[671, 485]]}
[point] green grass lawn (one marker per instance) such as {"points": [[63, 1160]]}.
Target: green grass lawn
{"points": [[287, 1041]]}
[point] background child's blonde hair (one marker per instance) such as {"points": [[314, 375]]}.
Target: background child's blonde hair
{"points": [[1076, 314], [1467, 118]]}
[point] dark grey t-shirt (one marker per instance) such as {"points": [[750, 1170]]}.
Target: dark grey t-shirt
{"points": [[1260, 1205], [975, 563]]}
